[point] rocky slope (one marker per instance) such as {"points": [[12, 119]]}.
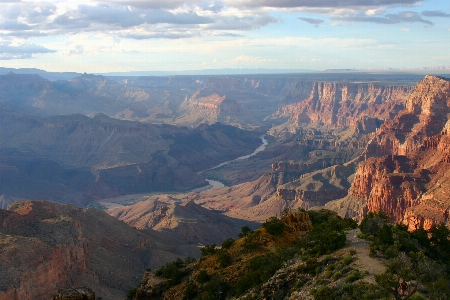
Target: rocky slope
{"points": [[47, 246], [226, 100], [190, 221], [406, 175]]}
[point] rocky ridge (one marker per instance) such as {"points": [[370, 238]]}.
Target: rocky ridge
{"points": [[193, 223], [407, 160], [341, 104], [47, 246]]}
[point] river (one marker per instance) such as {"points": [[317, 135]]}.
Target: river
{"points": [[121, 201], [214, 184]]}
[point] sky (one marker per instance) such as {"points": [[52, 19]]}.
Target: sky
{"points": [[97, 36]]}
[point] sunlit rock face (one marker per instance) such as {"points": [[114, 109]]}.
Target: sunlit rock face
{"points": [[341, 104], [408, 160]]}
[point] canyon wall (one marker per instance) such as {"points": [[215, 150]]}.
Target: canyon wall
{"points": [[407, 161], [343, 104], [47, 246]]}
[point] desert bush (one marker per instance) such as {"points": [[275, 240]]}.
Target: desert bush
{"points": [[224, 258], [245, 230], [227, 243], [373, 222], [203, 277], [274, 226], [208, 250]]}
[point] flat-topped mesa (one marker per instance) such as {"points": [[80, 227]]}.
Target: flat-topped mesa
{"points": [[343, 104]]}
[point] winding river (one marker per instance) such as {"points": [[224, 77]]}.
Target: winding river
{"points": [[121, 201], [214, 184]]}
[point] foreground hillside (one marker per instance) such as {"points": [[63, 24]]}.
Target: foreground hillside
{"points": [[311, 255]]}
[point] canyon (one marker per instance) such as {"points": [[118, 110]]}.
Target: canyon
{"points": [[406, 162], [350, 144], [77, 159]]}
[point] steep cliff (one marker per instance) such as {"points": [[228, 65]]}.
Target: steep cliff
{"points": [[343, 104], [410, 160], [46, 247]]}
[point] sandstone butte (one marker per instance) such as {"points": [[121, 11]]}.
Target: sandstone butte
{"points": [[406, 167]]}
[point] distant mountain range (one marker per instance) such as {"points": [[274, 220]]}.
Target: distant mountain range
{"points": [[52, 76]]}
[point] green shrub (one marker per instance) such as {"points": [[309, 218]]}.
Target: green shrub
{"points": [[245, 230], [347, 259], [190, 292], [224, 258], [215, 290], [131, 293], [322, 240], [250, 242], [336, 275], [203, 277], [353, 276], [227, 243], [385, 235], [172, 271], [274, 226], [372, 223], [208, 250]]}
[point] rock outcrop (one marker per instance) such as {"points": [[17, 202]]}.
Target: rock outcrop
{"points": [[189, 221], [46, 247], [343, 104], [77, 293], [408, 158]]}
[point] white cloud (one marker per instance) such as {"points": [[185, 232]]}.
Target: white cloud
{"points": [[405, 29], [10, 51]]}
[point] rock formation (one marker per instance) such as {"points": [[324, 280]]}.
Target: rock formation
{"points": [[343, 104], [47, 246], [191, 222], [405, 176], [77, 293]]}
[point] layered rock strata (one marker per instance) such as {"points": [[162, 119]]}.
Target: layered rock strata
{"points": [[343, 104], [410, 160], [46, 247]]}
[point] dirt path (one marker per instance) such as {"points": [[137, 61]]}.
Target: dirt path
{"points": [[363, 261]]}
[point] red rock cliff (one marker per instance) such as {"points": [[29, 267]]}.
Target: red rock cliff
{"points": [[344, 104], [409, 181]]}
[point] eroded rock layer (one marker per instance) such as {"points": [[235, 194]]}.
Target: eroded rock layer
{"points": [[46, 247], [343, 104], [407, 161]]}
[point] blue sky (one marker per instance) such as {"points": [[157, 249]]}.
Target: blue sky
{"points": [[173, 35]]}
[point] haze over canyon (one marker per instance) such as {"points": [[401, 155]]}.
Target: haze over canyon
{"points": [[102, 177]]}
